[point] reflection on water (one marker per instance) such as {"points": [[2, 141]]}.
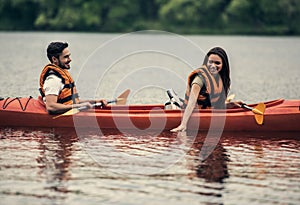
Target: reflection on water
{"points": [[57, 167], [54, 160]]}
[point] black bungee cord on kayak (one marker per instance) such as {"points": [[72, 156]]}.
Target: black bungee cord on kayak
{"points": [[7, 102]]}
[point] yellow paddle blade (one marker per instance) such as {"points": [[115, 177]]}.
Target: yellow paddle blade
{"points": [[73, 111], [259, 119], [259, 109], [122, 99], [119, 101]]}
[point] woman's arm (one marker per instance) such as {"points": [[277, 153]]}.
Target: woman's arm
{"points": [[189, 108]]}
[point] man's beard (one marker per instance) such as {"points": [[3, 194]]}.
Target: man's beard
{"points": [[63, 66]]}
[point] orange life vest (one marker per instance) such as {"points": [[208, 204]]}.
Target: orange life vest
{"points": [[68, 94], [212, 93]]}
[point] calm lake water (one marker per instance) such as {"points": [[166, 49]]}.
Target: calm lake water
{"points": [[40, 166]]}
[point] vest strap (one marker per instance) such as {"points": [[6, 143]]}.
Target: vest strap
{"points": [[66, 99], [70, 85]]}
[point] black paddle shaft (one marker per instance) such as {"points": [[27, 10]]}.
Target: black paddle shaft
{"points": [[246, 106], [96, 105]]}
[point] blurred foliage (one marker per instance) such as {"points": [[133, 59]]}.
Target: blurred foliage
{"points": [[273, 17]]}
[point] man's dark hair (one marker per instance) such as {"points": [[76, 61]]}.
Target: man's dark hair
{"points": [[55, 49]]}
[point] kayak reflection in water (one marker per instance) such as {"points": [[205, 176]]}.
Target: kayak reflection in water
{"points": [[207, 86], [57, 87]]}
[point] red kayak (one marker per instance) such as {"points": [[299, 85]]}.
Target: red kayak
{"points": [[279, 115]]}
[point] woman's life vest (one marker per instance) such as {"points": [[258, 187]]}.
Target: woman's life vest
{"points": [[68, 94], [212, 94]]}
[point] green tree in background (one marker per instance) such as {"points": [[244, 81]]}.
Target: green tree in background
{"points": [[263, 16], [179, 16], [69, 15], [18, 14]]}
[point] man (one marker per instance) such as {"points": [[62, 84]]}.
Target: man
{"points": [[56, 84]]}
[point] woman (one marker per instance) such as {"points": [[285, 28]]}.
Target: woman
{"points": [[208, 86]]}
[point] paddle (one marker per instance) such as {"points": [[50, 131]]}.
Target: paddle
{"points": [[258, 111], [120, 100]]}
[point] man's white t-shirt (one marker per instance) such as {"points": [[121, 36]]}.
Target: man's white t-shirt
{"points": [[53, 85]]}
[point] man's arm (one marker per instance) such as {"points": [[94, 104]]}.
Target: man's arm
{"points": [[55, 108], [52, 87]]}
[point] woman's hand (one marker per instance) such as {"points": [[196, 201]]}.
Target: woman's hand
{"points": [[180, 128], [236, 104], [195, 90]]}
